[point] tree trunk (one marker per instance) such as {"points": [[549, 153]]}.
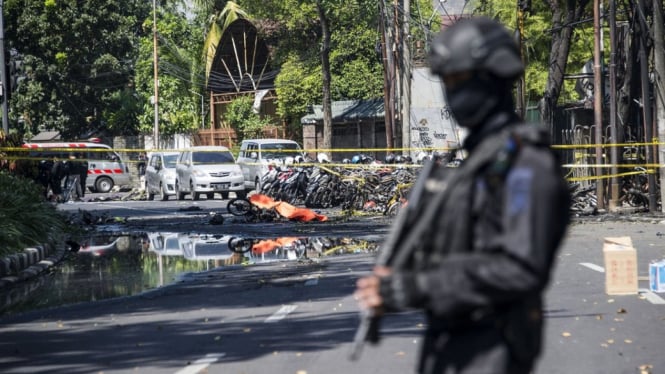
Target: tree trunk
{"points": [[325, 73], [564, 17], [625, 75]]}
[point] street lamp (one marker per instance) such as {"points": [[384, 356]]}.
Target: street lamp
{"points": [[202, 116]]}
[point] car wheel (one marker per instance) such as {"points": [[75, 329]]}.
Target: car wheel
{"points": [[179, 194], [151, 196], [162, 193], [103, 184], [195, 195]]}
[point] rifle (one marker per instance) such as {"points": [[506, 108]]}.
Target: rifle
{"points": [[368, 329]]}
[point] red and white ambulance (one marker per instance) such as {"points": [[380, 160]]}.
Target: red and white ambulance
{"points": [[105, 167]]}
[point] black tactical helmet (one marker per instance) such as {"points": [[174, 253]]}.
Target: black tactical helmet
{"points": [[476, 44]]}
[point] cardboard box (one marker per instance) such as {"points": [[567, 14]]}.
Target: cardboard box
{"points": [[620, 266], [657, 276]]}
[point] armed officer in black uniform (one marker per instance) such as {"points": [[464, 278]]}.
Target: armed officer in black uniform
{"points": [[483, 238]]}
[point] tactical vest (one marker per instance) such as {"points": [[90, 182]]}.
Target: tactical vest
{"points": [[445, 226]]}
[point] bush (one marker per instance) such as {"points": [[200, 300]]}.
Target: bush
{"points": [[240, 115], [26, 219]]}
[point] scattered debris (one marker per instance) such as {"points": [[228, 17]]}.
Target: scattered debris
{"points": [[192, 208], [216, 219]]}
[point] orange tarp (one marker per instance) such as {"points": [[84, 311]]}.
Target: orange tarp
{"points": [[285, 209], [269, 244]]}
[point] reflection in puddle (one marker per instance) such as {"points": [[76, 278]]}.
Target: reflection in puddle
{"points": [[122, 264]]}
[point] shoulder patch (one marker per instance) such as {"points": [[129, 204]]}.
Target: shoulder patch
{"points": [[518, 190]]}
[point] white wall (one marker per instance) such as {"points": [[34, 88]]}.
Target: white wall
{"points": [[431, 125]]}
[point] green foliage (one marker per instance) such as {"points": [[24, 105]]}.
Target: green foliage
{"points": [[293, 27], [25, 218], [358, 80], [180, 72], [537, 41], [298, 86], [244, 120], [78, 56]]}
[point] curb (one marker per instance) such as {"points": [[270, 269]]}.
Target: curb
{"points": [[29, 263]]}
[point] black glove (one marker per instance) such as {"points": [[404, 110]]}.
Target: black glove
{"points": [[401, 291]]}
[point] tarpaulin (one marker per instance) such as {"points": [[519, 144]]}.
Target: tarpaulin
{"points": [[268, 245], [285, 209]]}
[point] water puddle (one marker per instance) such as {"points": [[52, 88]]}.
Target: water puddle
{"points": [[123, 264]]}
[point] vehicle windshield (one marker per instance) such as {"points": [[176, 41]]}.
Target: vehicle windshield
{"points": [[212, 157], [169, 161], [280, 150]]}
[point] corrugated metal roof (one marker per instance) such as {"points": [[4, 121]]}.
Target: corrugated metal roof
{"points": [[46, 136], [348, 111]]}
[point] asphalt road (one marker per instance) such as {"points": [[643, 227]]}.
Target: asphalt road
{"points": [[299, 317], [195, 216]]}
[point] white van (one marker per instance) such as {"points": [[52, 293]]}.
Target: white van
{"points": [[257, 154], [206, 170], [105, 167]]}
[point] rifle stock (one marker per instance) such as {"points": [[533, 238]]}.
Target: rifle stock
{"points": [[368, 329]]}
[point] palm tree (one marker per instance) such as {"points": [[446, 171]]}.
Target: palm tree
{"points": [[218, 22]]}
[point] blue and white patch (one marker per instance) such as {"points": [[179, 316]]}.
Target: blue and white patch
{"points": [[518, 189]]}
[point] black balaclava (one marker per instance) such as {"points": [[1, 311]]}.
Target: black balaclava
{"points": [[482, 104]]}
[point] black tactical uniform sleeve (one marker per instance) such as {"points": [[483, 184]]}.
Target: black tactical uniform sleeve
{"points": [[517, 228]]}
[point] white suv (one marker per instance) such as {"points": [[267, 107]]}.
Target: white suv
{"points": [[256, 154], [208, 170]]}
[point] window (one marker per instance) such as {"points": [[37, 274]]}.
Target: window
{"points": [[212, 158], [182, 157], [280, 150], [169, 160]]}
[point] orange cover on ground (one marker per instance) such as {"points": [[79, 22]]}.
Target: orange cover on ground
{"points": [[285, 209]]}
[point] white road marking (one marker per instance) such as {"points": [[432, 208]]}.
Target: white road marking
{"points": [[281, 313], [201, 364], [591, 266], [651, 296]]}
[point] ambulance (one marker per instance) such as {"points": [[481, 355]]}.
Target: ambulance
{"points": [[105, 167]]}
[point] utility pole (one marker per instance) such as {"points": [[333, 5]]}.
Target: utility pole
{"points": [[385, 53], [659, 66], [646, 103], [598, 105], [521, 105], [4, 88], [392, 66], [406, 78], [614, 133], [155, 130]]}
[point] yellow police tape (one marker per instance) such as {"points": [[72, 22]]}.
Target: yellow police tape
{"points": [[608, 176], [606, 145], [648, 168]]}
